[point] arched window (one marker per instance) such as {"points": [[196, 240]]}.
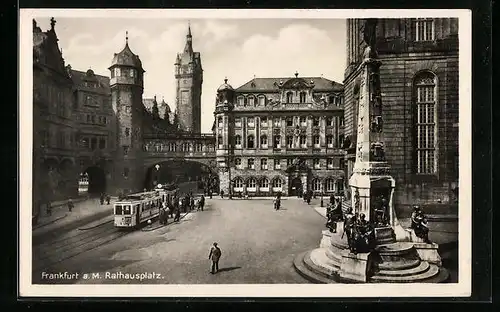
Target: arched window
{"points": [[251, 185], [238, 185], [289, 141], [251, 101], [277, 185], [289, 97], [250, 141], [264, 185], [263, 141], [303, 141], [262, 100], [425, 123], [220, 123], [241, 100], [302, 97], [330, 185], [237, 141], [316, 185]]}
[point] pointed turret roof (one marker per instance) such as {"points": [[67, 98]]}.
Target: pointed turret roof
{"points": [[126, 57]]}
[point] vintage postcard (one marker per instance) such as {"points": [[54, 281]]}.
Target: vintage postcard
{"points": [[245, 153]]}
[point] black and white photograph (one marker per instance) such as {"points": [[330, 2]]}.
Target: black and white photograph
{"points": [[282, 153]]}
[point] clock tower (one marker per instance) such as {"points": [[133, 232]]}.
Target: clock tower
{"points": [[189, 79], [127, 81]]}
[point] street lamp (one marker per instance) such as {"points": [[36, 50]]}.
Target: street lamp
{"points": [[157, 167]]}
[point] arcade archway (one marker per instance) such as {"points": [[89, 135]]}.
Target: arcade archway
{"points": [[92, 181], [179, 171]]}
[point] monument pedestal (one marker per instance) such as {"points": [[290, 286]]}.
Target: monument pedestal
{"points": [[355, 267]]}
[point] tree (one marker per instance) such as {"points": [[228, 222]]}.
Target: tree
{"points": [[176, 121], [155, 111], [166, 118]]}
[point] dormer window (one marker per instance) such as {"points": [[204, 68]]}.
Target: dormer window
{"points": [[289, 97], [117, 72], [251, 101], [302, 97]]}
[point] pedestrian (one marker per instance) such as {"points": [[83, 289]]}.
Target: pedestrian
{"points": [[177, 217], [215, 254], [70, 205], [202, 202], [108, 199], [222, 194], [191, 202], [48, 208], [101, 199]]}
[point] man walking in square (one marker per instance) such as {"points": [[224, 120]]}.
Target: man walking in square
{"points": [[215, 254]]}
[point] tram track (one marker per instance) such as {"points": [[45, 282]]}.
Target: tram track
{"points": [[54, 252]]}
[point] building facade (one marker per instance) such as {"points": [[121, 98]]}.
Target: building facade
{"points": [[96, 128], [280, 135], [54, 130], [189, 78], [419, 85], [127, 86]]}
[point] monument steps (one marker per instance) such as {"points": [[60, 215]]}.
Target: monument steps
{"points": [[299, 263], [423, 277], [401, 264], [420, 269]]}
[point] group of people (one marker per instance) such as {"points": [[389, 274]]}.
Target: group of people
{"points": [[361, 233], [104, 197], [173, 205]]}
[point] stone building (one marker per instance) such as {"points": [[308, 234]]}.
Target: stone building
{"points": [[54, 130], [127, 85], [95, 121], [419, 85], [280, 135], [189, 78]]}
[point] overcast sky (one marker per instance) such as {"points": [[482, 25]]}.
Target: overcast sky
{"points": [[238, 49]]}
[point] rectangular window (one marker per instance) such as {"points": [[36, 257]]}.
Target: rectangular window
{"points": [[237, 122], [424, 29], [117, 72], [262, 101], [329, 121], [132, 73], [316, 163], [277, 164], [93, 143], [289, 141], [237, 141], [277, 122], [316, 141], [289, 121], [263, 164], [329, 140], [263, 141], [426, 126], [220, 122], [303, 141], [263, 121], [303, 121], [316, 121], [277, 142], [251, 122], [329, 163], [237, 163], [241, 101], [251, 163]]}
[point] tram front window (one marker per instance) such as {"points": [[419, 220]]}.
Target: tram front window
{"points": [[118, 210], [126, 210]]}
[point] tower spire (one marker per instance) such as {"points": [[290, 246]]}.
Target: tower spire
{"points": [[189, 29], [189, 41], [126, 37]]}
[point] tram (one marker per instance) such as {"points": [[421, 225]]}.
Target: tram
{"points": [[136, 209]]}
